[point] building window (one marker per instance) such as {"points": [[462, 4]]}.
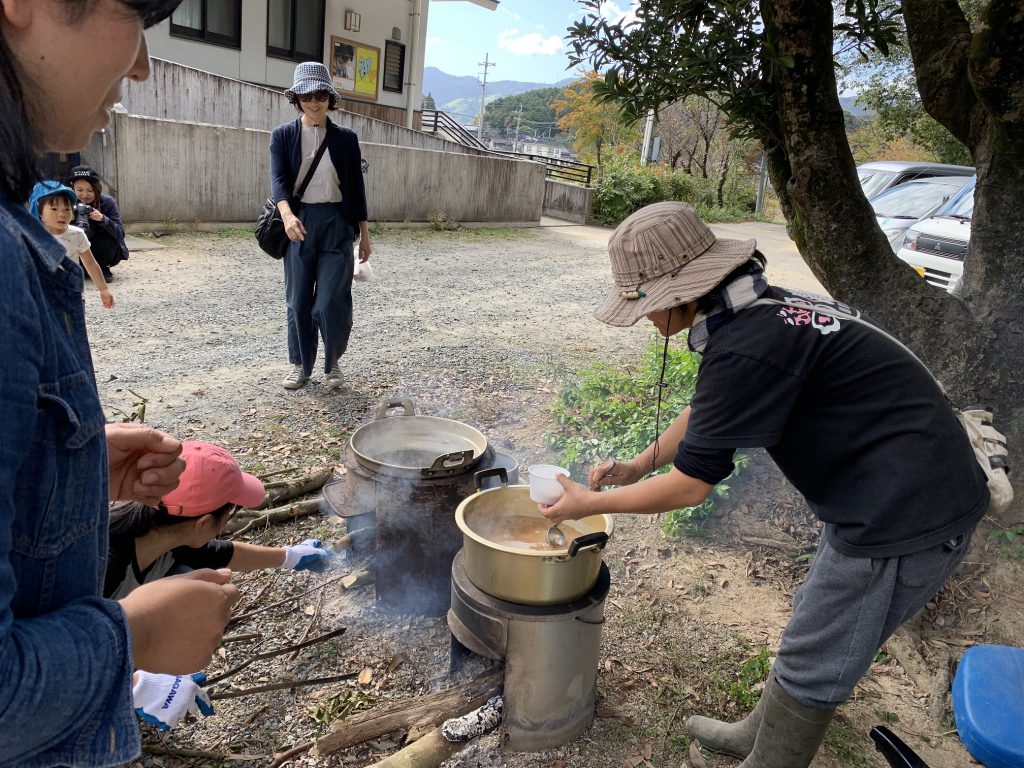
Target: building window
{"points": [[295, 29], [213, 21], [394, 66]]}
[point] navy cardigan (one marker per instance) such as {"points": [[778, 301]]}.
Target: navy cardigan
{"points": [[343, 149]]}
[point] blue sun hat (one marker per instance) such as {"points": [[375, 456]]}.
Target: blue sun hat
{"points": [[46, 189], [311, 76]]}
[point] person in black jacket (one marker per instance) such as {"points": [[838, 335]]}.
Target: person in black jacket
{"points": [[104, 228], [857, 425], [318, 267]]}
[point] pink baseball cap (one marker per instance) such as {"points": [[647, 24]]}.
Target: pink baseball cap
{"points": [[212, 478]]}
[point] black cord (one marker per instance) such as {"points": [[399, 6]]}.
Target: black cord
{"points": [[661, 388]]}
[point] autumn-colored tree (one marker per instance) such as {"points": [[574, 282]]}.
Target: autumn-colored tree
{"points": [[594, 123]]}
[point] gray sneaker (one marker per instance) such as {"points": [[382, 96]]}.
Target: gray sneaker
{"points": [[334, 377], [296, 379]]}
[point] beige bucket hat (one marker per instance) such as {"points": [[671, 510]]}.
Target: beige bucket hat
{"points": [[664, 256]]}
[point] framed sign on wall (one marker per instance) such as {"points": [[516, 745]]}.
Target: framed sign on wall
{"points": [[355, 68]]}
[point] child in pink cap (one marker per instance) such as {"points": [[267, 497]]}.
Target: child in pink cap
{"points": [[148, 543]]}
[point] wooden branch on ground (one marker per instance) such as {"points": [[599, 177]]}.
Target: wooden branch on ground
{"points": [[283, 685], [303, 644], [435, 708], [286, 490], [242, 617], [286, 757], [275, 473], [278, 515], [429, 752]]}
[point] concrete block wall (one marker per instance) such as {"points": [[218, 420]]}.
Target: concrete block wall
{"points": [[567, 201], [194, 172]]}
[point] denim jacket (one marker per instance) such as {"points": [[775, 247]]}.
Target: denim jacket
{"points": [[65, 653]]}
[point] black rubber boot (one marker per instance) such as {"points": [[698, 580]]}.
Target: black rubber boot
{"points": [[790, 733], [736, 739]]}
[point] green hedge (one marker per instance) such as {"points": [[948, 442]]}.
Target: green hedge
{"points": [[624, 186]]}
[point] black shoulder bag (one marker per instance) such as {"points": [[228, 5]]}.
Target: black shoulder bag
{"points": [[270, 234]]}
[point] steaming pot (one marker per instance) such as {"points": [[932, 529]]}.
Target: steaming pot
{"points": [[528, 577], [416, 446]]}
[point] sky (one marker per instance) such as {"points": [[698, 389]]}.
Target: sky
{"points": [[524, 37]]}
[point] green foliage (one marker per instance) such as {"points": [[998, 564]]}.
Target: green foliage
{"points": [[537, 112], [843, 742], [752, 672], [687, 522], [626, 186], [1010, 541], [428, 102], [338, 707], [610, 410]]}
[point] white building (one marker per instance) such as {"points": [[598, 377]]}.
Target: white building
{"points": [[373, 47]]}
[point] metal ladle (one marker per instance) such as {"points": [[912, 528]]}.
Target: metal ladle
{"points": [[555, 536]]}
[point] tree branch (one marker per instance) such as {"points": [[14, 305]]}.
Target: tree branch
{"points": [[939, 36]]}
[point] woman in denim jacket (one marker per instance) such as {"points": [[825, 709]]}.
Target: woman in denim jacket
{"points": [[66, 655]]}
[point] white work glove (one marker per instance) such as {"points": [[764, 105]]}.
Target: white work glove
{"points": [[310, 555], [164, 700]]}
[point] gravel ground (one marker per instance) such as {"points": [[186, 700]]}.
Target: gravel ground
{"points": [[199, 328], [483, 327]]}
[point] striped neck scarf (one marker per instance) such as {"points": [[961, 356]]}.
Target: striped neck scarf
{"points": [[725, 301]]}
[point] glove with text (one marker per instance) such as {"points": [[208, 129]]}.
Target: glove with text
{"points": [[310, 555], [164, 700]]}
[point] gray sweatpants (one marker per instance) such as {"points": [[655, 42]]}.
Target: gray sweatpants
{"points": [[847, 608]]}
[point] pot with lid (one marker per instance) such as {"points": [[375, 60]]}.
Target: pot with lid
{"points": [[416, 446], [507, 554]]}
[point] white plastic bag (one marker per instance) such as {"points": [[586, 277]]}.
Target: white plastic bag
{"points": [[362, 271]]}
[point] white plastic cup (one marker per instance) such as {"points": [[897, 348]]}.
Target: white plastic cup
{"points": [[544, 488]]}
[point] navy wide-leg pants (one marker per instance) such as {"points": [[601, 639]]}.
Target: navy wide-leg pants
{"points": [[318, 286]]}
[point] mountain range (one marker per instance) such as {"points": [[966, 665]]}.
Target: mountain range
{"points": [[459, 96]]}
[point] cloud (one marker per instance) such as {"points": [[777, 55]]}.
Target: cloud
{"points": [[435, 41], [530, 43], [616, 15]]}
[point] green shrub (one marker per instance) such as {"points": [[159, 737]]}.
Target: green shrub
{"points": [[610, 411]]}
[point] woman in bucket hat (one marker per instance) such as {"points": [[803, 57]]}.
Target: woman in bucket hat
{"points": [[322, 226], [103, 219], [855, 423]]}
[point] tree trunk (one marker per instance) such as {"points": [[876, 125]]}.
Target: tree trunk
{"points": [[975, 348], [722, 176]]}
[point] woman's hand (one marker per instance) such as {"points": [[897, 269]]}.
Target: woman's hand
{"points": [[294, 228], [95, 215], [576, 502], [144, 463], [177, 622], [107, 298], [364, 249], [612, 472]]}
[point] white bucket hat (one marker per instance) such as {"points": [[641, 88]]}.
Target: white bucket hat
{"points": [[664, 256]]}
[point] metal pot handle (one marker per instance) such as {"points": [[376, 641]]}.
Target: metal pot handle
{"points": [[499, 472], [451, 461], [598, 539], [405, 404]]}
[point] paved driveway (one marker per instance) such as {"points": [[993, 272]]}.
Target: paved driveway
{"points": [[785, 266]]}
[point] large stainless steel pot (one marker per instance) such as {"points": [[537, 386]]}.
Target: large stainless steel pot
{"points": [[416, 446], [524, 576]]}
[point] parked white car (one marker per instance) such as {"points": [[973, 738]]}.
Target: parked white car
{"points": [[936, 247], [899, 207], [878, 176]]}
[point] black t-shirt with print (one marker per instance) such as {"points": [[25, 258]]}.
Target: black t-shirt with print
{"points": [[124, 575], [854, 422]]}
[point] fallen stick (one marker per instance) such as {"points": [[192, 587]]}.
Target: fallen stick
{"points": [[276, 472], [279, 603], [435, 708], [283, 685], [286, 757], [280, 514], [309, 627], [286, 490], [429, 752], [271, 654]]}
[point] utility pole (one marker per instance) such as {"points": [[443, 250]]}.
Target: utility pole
{"points": [[519, 116], [486, 64], [645, 151]]}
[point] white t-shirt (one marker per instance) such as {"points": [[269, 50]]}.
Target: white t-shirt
{"points": [[74, 241], [323, 187]]}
